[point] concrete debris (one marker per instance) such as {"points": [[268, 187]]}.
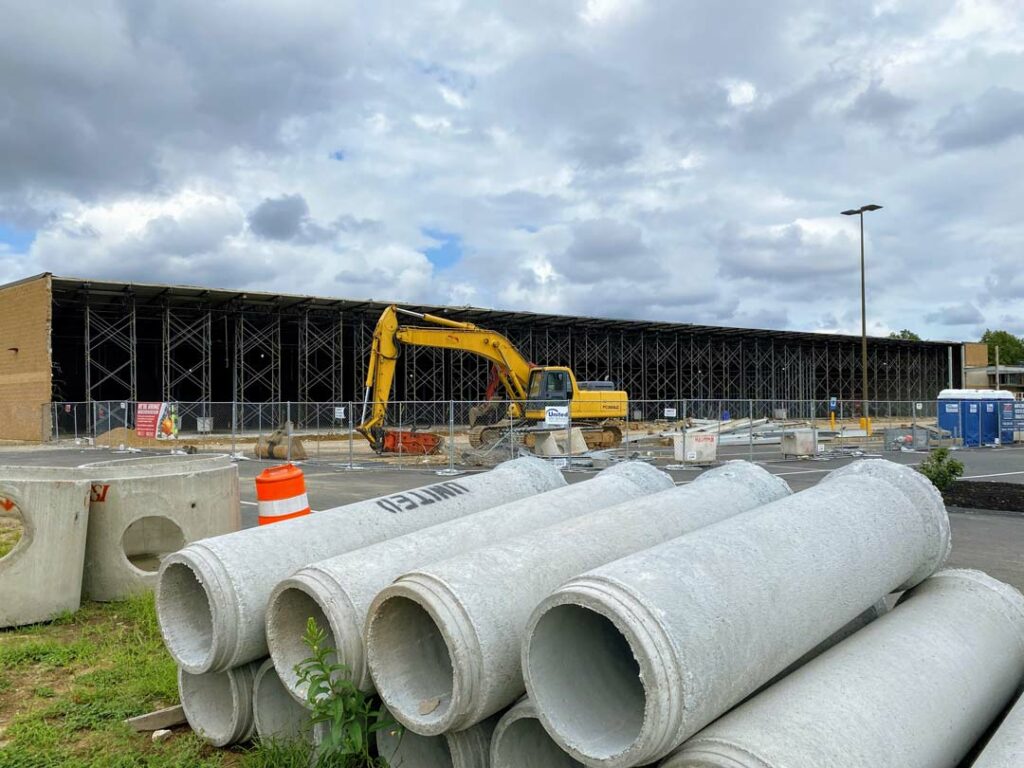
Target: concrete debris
{"points": [[161, 718], [453, 628], [338, 592], [768, 586], [162, 735], [211, 596], [921, 684]]}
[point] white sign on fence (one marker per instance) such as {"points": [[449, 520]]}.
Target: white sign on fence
{"points": [[670, 413], [339, 413], [556, 416]]}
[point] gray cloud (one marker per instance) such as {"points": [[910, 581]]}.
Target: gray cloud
{"points": [[964, 313], [877, 104], [991, 118], [279, 218]]}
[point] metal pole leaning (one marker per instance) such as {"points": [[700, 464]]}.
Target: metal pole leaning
{"points": [[451, 442]]}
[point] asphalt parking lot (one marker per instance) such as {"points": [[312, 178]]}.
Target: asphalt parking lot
{"points": [[992, 542]]}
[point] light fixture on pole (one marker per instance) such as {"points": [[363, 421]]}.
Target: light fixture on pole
{"points": [[863, 316]]}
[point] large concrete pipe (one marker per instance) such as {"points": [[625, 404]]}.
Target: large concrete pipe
{"points": [[218, 705], [443, 641], [627, 661], [1006, 747], [41, 576], [914, 689], [338, 592], [520, 741], [276, 715], [212, 595], [145, 508], [470, 748]]}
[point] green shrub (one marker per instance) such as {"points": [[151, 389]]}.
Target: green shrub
{"points": [[348, 716], [941, 468]]}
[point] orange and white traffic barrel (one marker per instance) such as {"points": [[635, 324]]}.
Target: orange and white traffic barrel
{"points": [[281, 494]]}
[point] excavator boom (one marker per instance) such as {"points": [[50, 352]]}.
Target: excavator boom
{"points": [[513, 369]]}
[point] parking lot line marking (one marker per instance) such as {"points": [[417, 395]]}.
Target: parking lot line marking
{"points": [[995, 474]]}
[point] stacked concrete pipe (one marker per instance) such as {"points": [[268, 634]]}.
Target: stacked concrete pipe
{"points": [[338, 592], [470, 748], [1006, 747], [212, 595], [218, 705], [915, 689], [520, 741], [145, 508], [276, 715], [443, 641], [41, 577], [627, 661]]}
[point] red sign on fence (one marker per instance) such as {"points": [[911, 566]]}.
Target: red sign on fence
{"points": [[147, 419]]}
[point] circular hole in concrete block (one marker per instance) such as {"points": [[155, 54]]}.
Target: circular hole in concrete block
{"points": [[12, 526], [149, 540]]}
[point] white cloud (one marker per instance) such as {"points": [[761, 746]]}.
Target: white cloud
{"points": [[671, 161]]}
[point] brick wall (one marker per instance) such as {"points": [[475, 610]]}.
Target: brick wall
{"points": [[25, 368]]}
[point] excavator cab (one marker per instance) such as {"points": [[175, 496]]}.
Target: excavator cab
{"points": [[549, 386]]}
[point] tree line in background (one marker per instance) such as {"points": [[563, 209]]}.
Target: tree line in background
{"points": [[1011, 348]]}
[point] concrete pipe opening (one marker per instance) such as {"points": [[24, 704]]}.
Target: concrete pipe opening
{"points": [[186, 616], [289, 612], [410, 645], [276, 714], [148, 540], [586, 680], [209, 703], [12, 526], [525, 744], [405, 748]]}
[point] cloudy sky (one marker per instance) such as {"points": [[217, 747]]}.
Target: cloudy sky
{"points": [[684, 160]]}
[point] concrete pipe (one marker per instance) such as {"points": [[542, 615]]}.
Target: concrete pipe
{"points": [[627, 661], [1006, 747], [212, 595], [144, 509], [470, 748], [41, 576], [915, 689], [520, 741], [218, 705], [276, 715], [338, 592], [443, 641]]}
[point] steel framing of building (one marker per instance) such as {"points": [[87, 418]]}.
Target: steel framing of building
{"points": [[135, 341]]}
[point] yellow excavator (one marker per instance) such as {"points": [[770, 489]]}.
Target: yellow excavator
{"points": [[531, 389]]}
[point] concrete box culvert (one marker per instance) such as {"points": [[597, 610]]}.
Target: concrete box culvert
{"points": [[144, 509], [520, 741], [627, 661], [1006, 747], [276, 715], [915, 689], [211, 596], [470, 748], [443, 642], [218, 705], [338, 592], [41, 576]]}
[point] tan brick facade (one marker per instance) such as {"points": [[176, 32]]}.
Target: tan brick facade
{"points": [[25, 359]]}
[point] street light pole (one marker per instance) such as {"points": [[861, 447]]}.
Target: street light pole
{"points": [[863, 315]]}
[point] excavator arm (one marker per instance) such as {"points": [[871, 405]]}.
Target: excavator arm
{"points": [[513, 369]]}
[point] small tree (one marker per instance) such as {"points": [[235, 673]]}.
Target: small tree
{"points": [[941, 468], [906, 334]]}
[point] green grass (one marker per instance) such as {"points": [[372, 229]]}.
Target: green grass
{"points": [[10, 535], [66, 687]]}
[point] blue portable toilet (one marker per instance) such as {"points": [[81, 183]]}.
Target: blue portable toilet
{"points": [[975, 415]]}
